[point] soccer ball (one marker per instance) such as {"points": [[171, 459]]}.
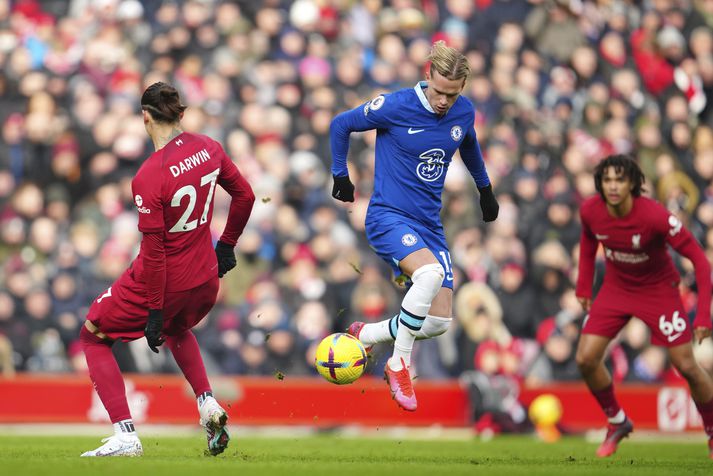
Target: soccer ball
{"points": [[340, 358], [545, 410]]}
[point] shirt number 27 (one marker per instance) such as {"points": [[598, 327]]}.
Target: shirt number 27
{"points": [[183, 224]]}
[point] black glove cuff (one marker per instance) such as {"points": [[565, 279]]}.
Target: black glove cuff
{"points": [[487, 190], [223, 246], [341, 179], [155, 314]]}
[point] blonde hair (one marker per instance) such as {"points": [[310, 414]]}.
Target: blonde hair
{"points": [[449, 62]]}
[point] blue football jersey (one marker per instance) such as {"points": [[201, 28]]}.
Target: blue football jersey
{"points": [[414, 147]]}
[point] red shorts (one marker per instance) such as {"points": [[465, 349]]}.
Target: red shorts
{"points": [[122, 311], [660, 308]]}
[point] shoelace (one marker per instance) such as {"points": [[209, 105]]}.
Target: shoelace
{"points": [[404, 380]]}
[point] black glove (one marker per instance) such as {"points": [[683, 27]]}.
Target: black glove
{"points": [[488, 203], [343, 189], [226, 258], [153, 329]]}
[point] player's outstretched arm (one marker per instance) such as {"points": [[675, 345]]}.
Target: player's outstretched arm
{"points": [[587, 253], [339, 130], [242, 200], [685, 243], [154, 256], [368, 116], [473, 159]]}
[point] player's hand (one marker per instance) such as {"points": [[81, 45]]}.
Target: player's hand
{"points": [[585, 302], [488, 203], [343, 189], [153, 329], [226, 258], [700, 333]]}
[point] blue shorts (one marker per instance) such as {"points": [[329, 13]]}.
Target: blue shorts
{"points": [[393, 237]]}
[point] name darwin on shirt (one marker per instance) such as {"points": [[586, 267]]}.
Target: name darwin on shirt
{"points": [[189, 162]]}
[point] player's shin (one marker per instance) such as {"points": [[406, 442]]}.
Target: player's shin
{"points": [[109, 384], [427, 282], [187, 354], [706, 411], [105, 375], [609, 404]]}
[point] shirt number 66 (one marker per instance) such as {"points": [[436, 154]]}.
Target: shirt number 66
{"points": [[677, 324]]}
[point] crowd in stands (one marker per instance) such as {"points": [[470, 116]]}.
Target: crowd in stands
{"points": [[558, 84]]}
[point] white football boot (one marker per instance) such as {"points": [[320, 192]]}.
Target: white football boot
{"points": [[213, 419], [118, 445]]}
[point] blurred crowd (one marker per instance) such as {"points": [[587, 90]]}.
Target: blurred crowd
{"points": [[558, 84]]}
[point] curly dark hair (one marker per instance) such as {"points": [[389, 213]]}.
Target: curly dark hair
{"points": [[624, 164]]}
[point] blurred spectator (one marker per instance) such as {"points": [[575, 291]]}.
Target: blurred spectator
{"points": [[555, 86]]}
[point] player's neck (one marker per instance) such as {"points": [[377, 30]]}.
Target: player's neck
{"points": [[622, 209], [162, 135]]}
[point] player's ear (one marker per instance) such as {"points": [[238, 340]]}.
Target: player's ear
{"points": [[146, 117], [428, 74]]}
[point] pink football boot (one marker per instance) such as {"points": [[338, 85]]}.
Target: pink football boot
{"points": [[401, 387]]}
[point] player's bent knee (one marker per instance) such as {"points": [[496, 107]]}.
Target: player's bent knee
{"points": [[586, 363], [430, 276]]}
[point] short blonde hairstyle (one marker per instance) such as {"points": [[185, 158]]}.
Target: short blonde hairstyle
{"points": [[449, 62]]}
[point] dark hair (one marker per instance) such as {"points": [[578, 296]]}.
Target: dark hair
{"points": [[624, 164], [161, 100]]}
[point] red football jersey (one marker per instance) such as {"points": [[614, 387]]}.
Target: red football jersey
{"points": [[173, 192], [635, 249]]}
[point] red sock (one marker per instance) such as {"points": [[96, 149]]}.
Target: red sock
{"points": [[606, 399], [706, 411], [105, 375], [184, 348]]}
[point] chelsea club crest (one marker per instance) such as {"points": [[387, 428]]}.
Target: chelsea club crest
{"points": [[456, 133], [409, 239]]}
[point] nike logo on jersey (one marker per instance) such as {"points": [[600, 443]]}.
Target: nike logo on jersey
{"points": [[674, 337], [601, 237], [411, 130]]}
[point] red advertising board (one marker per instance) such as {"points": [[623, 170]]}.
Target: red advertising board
{"points": [[251, 401], [653, 407], [314, 402]]}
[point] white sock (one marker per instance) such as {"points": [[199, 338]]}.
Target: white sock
{"points": [[618, 419], [125, 428], [376, 332], [200, 399], [402, 348]]}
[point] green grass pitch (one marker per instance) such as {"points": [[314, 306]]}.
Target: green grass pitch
{"points": [[343, 456]]}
